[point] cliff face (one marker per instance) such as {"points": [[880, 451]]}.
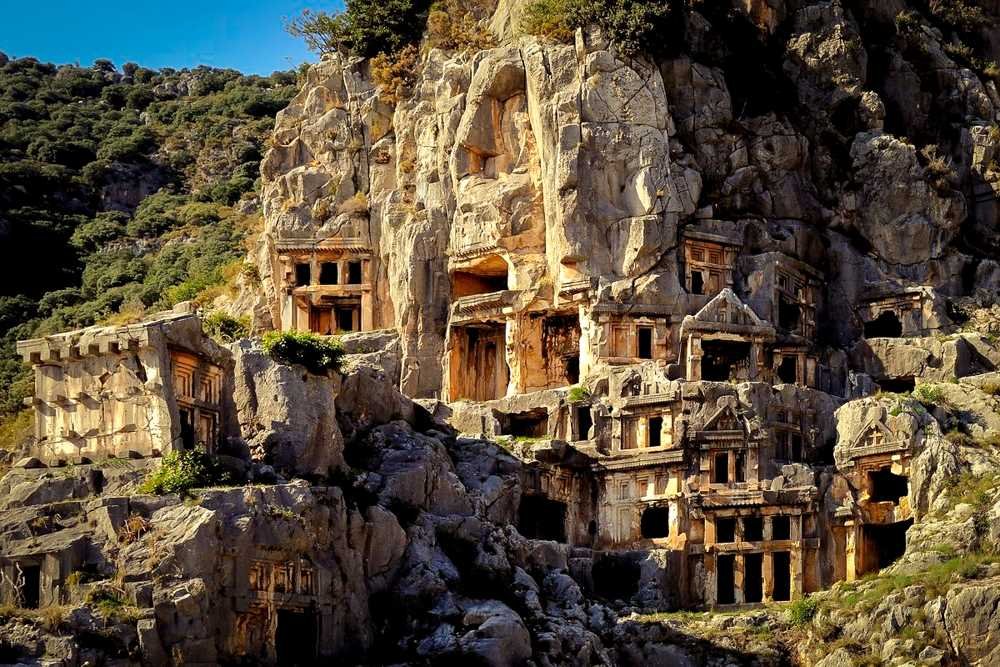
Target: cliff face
{"points": [[714, 327], [852, 144]]}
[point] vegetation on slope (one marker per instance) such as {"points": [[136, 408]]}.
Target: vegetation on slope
{"points": [[120, 191]]}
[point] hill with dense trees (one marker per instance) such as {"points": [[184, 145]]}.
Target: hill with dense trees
{"points": [[121, 191]]}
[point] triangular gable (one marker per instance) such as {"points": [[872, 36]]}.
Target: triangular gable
{"points": [[873, 425], [726, 308], [726, 418]]}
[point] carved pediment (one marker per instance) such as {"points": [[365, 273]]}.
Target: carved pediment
{"points": [[726, 418], [726, 312]]}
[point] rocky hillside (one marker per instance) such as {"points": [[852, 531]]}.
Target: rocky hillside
{"points": [[636, 290], [133, 188]]}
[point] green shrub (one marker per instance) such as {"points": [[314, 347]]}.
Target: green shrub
{"points": [[181, 471], [929, 394], [635, 26], [316, 353], [225, 328], [802, 610], [549, 18], [364, 28], [578, 394]]}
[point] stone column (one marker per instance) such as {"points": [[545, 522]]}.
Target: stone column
{"points": [[739, 570], [367, 311], [796, 571], [288, 312], [694, 355], [851, 551], [768, 573]]}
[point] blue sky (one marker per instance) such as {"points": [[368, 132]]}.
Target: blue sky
{"points": [[248, 35]]}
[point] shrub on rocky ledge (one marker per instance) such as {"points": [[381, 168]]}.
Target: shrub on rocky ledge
{"points": [[225, 328], [182, 471], [316, 353], [802, 611], [636, 26]]}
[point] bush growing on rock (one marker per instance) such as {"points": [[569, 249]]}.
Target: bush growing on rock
{"points": [[802, 611], [316, 353], [182, 471], [226, 328], [363, 28], [636, 26]]}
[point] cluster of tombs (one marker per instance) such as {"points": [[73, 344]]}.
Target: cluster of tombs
{"points": [[645, 426]]}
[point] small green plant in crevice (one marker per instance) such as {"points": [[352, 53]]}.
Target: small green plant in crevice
{"points": [[179, 472], [224, 328], [316, 353], [111, 603], [802, 610], [929, 394], [578, 394]]}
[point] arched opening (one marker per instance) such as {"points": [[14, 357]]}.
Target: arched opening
{"points": [[541, 518], [655, 523], [886, 325]]}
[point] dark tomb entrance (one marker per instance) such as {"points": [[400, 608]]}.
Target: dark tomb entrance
{"points": [[886, 325], [725, 360], [530, 424], [541, 518], [726, 579], [789, 315], [584, 420], [655, 522], [884, 545], [296, 638], [782, 576], [616, 576], [31, 592], [753, 577], [788, 370], [887, 486], [645, 342]]}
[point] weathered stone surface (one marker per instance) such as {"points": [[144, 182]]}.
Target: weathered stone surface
{"points": [[287, 415]]}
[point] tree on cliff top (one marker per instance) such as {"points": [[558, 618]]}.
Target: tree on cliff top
{"points": [[364, 28]]}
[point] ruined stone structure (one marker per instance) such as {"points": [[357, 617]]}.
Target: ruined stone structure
{"points": [[554, 234], [625, 333], [132, 391]]}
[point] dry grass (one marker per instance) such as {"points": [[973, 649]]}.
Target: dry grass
{"points": [[135, 527], [395, 74]]}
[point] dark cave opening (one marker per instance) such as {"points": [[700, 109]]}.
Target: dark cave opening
{"points": [[723, 360], [655, 522], [884, 544], [616, 577], [753, 577], [886, 325], [541, 518], [884, 485]]}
